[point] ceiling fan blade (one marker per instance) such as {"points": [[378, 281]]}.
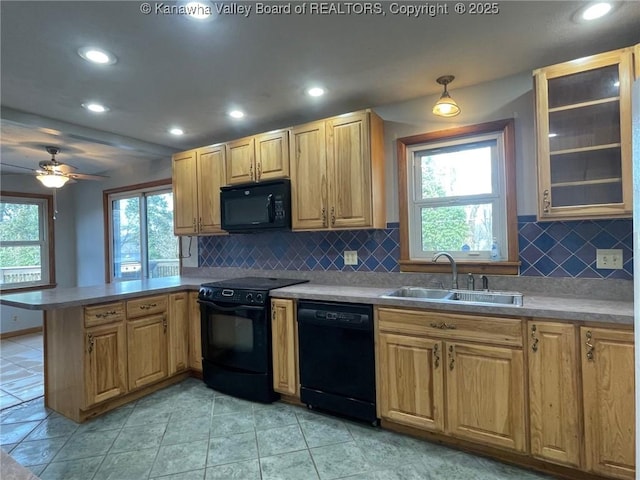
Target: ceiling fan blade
{"points": [[84, 176], [65, 168], [18, 166]]}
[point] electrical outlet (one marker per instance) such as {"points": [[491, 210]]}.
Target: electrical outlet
{"points": [[350, 257], [609, 258], [14, 318]]}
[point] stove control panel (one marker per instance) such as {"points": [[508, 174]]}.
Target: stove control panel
{"points": [[234, 296]]}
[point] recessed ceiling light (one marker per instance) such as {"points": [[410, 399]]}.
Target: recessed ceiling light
{"points": [[95, 107], [316, 92], [236, 114], [97, 55], [176, 131], [596, 10]]}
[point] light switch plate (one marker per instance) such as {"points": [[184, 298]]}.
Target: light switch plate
{"points": [[350, 257], [609, 258]]}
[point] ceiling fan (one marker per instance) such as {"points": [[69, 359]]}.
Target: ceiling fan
{"points": [[54, 174]]}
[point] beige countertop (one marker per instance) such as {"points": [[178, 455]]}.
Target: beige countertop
{"points": [[559, 308]]}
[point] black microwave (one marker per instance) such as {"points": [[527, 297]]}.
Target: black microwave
{"points": [[255, 207]]}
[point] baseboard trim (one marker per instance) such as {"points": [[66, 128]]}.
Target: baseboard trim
{"points": [[18, 333]]}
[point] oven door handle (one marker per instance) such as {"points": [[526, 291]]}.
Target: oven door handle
{"points": [[229, 309]]}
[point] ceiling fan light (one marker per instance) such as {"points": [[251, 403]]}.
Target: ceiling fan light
{"points": [[52, 181]]}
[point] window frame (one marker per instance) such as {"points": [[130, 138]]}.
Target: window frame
{"points": [[47, 242], [164, 185], [510, 263]]}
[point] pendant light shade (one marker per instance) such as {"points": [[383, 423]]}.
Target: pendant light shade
{"points": [[446, 106], [52, 181]]}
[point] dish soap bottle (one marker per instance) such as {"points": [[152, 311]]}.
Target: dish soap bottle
{"points": [[495, 251]]}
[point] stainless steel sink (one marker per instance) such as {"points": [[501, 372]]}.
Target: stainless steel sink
{"points": [[479, 297], [488, 297], [419, 293]]}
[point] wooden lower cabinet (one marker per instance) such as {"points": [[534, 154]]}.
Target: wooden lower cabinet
{"points": [[430, 379], [607, 357], [284, 345], [147, 350], [105, 370], [485, 394], [411, 381], [178, 332], [555, 408], [195, 341]]}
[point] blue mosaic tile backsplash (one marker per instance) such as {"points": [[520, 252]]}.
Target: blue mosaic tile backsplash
{"points": [[549, 249]]}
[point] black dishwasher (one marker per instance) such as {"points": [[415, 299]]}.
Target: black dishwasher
{"points": [[337, 359]]}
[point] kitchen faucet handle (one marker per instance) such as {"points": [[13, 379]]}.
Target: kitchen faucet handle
{"points": [[485, 282]]}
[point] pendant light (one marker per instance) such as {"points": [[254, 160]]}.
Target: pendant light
{"points": [[446, 106]]}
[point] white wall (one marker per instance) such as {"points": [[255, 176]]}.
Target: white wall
{"points": [[90, 252], [510, 97]]}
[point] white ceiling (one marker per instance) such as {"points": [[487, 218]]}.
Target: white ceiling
{"points": [[174, 70]]}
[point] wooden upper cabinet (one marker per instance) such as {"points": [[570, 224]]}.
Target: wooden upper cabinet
{"points": [[583, 117], [609, 399], [241, 159], [272, 155], [345, 173], [197, 177], [554, 396], [185, 193], [309, 177], [258, 158], [211, 176]]}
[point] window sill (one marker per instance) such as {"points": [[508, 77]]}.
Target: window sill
{"points": [[490, 268]]}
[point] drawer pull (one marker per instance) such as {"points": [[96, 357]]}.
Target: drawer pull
{"points": [[452, 359], [589, 346], [443, 325], [106, 314], [436, 356], [534, 345], [148, 306]]}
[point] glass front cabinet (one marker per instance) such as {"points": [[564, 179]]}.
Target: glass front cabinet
{"points": [[583, 119]]}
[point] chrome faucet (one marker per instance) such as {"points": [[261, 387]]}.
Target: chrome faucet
{"points": [[454, 267]]}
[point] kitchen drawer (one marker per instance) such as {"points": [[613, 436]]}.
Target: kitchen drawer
{"points": [[142, 307], [475, 328], [103, 314]]}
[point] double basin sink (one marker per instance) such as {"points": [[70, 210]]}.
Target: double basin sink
{"points": [[472, 297]]}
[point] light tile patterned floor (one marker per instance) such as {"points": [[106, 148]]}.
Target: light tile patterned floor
{"points": [[190, 432], [21, 369]]}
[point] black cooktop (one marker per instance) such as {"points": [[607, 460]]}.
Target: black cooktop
{"points": [[255, 283]]}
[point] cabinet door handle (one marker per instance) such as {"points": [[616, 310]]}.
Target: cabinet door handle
{"points": [[324, 217], [259, 171], [251, 171], [91, 342], [436, 356], [195, 229], [534, 345], [200, 224], [546, 201], [443, 325], [452, 359], [164, 323], [589, 345], [333, 216]]}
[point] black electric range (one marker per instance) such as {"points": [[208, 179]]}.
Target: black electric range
{"points": [[236, 335]]}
